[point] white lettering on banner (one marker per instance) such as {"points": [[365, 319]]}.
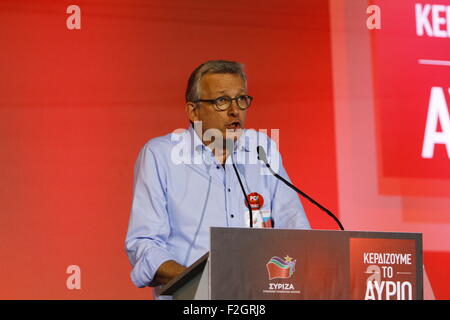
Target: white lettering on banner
{"points": [[437, 113], [385, 290], [387, 258], [433, 20], [281, 286]]}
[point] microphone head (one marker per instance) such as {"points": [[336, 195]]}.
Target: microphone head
{"points": [[262, 154]]}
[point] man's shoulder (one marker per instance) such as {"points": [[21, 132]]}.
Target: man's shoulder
{"points": [[158, 143]]}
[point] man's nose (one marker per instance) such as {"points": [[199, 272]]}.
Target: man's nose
{"points": [[234, 108]]}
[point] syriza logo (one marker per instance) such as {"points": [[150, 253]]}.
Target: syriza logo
{"points": [[278, 268]]}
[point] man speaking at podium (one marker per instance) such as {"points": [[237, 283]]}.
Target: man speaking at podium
{"points": [[187, 182]]}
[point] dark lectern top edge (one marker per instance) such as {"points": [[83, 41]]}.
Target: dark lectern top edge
{"points": [[187, 275], [352, 233]]}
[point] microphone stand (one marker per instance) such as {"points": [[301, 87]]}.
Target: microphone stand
{"points": [[230, 147]]}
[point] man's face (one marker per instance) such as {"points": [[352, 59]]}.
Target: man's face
{"points": [[213, 86]]}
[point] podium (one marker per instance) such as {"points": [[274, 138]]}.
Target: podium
{"points": [[272, 264]]}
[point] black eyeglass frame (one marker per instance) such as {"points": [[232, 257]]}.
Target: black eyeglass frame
{"points": [[230, 101]]}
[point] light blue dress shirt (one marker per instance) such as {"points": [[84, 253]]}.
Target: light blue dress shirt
{"points": [[181, 190]]}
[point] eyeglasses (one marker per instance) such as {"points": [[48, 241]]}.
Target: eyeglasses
{"points": [[224, 103]]}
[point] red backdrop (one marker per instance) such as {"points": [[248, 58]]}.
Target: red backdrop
{"points": [[77, 105]]}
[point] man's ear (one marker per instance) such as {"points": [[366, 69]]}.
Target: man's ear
{"points": [[192, 111]]}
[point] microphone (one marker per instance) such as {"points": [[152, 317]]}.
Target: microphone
{"points": [[230, 148], [263, 157]]}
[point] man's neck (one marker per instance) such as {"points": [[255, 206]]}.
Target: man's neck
{"points": [[221, 155]]}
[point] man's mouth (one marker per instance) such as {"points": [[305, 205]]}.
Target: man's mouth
{"points": [[234, 125]]}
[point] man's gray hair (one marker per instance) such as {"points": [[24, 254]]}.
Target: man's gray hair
{"points": [[212, 66]]}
